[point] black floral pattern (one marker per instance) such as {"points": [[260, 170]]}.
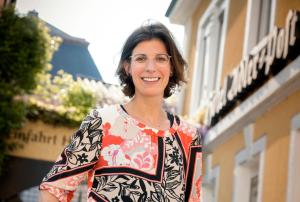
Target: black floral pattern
{"points": [[175, 157], [115, 199], [75, 153], [82, 158]]}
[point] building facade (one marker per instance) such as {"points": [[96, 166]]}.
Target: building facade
{"points": [[244, 72]]}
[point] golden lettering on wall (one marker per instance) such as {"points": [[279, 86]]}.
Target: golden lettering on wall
{"points": [[41, 141]]}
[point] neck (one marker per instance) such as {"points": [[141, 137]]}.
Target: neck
{"points": [[149, 111]]}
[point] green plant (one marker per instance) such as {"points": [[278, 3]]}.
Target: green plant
{"points": [[79, 101], [60, 100]]}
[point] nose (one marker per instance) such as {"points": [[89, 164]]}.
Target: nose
{"points": [[150, 65]]}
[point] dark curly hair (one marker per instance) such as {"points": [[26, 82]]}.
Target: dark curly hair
{"points": [[144, 33]]}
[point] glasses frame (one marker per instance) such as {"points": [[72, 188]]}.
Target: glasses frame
{"points": [[141, 54]]}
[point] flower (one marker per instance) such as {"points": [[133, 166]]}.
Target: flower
{"points": [[82, 158], [175, 157], [115, 199], [169, 141], [114, 155], [143, 160]]}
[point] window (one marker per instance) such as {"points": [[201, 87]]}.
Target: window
{"points": [[210, 45], [247, 180], [260, 21], [253, 188], [248, 172], [209, 191], [293, 185]]}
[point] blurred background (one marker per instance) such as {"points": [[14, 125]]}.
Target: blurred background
{"points": [[58, 58]]}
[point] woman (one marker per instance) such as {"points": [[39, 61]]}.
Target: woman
{"points": [[136, 151]]}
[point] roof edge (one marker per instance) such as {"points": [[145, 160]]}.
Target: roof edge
{"points": [[179, 11], [170, 8]]}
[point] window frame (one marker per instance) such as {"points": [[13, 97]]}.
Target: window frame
{"points": [[215, 9], [245, 160], [251, 24], [210, 183], [293, 165]]}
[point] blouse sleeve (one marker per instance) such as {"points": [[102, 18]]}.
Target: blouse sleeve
{"points": [[194, 170], [79, 157]]}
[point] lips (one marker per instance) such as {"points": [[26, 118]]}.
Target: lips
{"points": [[151, 79]]}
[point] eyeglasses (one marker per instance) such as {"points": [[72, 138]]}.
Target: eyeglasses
{"points": [[159, 59]]}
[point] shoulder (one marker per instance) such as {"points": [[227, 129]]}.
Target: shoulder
{"points": [[100, 115], [100, 111], [186, 127], [189, 130], [106, 112]]}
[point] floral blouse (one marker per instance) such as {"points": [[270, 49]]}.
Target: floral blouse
{"points": [[125, 160]]}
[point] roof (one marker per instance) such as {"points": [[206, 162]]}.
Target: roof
{"points": [[75, 59], [73, 56]]}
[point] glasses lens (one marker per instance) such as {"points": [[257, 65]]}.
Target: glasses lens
{"points": [[160, 59], [139, 58]]}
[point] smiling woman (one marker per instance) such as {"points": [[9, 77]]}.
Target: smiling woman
{"points": [[136, 151], [156, 40], [150, 77]]}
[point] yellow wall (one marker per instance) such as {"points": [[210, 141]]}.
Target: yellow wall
{"points": [[275, 124], [234, 36], [282, 9], [224, 157]]}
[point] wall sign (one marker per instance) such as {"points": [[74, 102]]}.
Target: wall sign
{"points": [[269, 57], [40, 141]]}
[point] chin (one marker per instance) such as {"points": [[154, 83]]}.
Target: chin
{"points": [[152, 94]]}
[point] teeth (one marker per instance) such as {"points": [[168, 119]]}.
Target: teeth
{"points": [[150, 78]]}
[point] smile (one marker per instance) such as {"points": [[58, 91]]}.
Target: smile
{"points": [[150, 78]]}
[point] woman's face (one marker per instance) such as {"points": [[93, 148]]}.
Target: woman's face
{"points": [[150, 68]]}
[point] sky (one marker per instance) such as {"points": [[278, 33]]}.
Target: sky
{"points": [[105, 24]]}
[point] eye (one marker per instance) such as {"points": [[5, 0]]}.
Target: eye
{"points": [[139, 58], [162, 58]]}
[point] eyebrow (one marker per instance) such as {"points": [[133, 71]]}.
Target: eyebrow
{"points": [[146, 54]]}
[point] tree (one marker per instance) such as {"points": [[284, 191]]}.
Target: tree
{"points": [[25, 50]]}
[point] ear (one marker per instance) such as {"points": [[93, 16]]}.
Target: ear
{"points": [[126, 66], [171, 71]]}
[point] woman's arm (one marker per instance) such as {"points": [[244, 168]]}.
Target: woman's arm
{"points": [[76, 160], [45, 196]]}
